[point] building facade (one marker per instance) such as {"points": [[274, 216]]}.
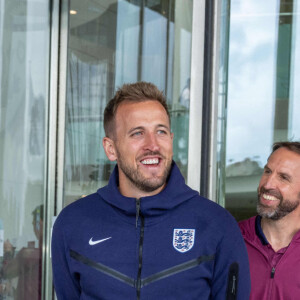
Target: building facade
{"points": [[229, 70]]}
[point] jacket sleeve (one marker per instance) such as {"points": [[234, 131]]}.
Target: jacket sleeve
{"points": [[66, 284], [231, 280]]}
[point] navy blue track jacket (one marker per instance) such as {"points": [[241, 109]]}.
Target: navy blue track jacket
{"points": [[173, 245]]}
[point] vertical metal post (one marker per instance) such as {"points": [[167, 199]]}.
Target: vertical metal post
{"points": [[56, 132], [51, 151], [62, 96], [216, 176], [196, 95]]}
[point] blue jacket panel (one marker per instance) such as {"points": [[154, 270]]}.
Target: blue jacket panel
{"points": [[173, 245]]}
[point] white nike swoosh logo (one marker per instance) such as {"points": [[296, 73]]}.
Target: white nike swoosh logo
{"points": [[92, 243]]}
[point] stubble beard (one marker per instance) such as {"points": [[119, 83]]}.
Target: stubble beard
{"points": [[139, 180], [284, 207]]}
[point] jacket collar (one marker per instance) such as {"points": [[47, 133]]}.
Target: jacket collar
{"points": [[259, 232], [253, 233], [175, 192]]}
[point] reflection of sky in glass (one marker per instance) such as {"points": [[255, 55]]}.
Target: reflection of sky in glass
{"points": [[295, 77], [154, 48], [251, 77], [127, 43]]}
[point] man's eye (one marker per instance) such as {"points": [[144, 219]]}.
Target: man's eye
{"points": [[138, 133], [161, 132], [284, 177], [267, 171]]}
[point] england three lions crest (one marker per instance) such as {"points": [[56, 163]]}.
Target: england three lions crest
{"points": [[183, 239]]}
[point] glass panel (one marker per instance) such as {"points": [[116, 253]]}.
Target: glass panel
{"points": [[262, 96], [24, 59], [116, 42]]}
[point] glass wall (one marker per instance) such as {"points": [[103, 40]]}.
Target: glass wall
{"points": [[262, 94], [24, 67], [111, 43]]}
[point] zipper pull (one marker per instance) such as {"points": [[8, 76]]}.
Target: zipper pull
{"points": [[273, 272], [232, 282], [233, 285], [137, 214]]}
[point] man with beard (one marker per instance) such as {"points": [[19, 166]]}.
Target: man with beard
{"points": [[273, 236], [146, 235]]}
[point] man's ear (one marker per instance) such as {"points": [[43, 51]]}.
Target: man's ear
{"points": [[109, 148]]}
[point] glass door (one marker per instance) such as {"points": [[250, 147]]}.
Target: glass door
{"points": [[24, 69], [111, 43]]}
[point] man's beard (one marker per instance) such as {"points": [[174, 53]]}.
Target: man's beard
{"points": [[281, 210], [138, 179]]}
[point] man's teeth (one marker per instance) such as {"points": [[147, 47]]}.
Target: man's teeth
{"points": [[153, 161], [269, 197]]}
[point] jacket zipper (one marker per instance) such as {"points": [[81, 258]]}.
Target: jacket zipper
{"points": [[273, 268], [232, 281], [177, 269], [137, 211], [273, 272], [139, 274]]}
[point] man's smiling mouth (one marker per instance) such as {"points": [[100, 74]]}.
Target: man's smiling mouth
{"points": [[150, 161], [270, 198]]}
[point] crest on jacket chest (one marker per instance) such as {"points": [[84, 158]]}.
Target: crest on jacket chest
{"points": [[183, 239]]}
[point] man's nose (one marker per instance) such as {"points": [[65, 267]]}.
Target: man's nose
{"points": [[151, 142], [270, 182]]}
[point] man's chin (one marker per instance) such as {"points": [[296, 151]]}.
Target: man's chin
{"points": [[265, 211], [151, 185]]}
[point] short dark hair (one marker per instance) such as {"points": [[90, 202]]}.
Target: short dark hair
{"points": [[134, 92], [292, 146]]}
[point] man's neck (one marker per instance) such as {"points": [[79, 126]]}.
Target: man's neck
{"points": [[281, 232]]}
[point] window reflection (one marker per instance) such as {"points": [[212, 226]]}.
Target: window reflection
{"points": [[116, 42], [22, 270], [23, 107], [261, 98]]}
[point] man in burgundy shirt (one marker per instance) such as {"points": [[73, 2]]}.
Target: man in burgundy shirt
{"points": [[273, 237]]}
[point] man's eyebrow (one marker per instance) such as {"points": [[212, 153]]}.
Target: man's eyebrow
{"points": [[164, 126], [142, 128]]}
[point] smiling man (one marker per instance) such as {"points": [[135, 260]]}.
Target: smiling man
{"points": [[141, 143], [273, 237], [146, 235]]}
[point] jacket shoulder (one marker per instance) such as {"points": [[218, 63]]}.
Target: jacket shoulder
{"points": [[247, 228], [248, 224], [213, 214], [78, 209]]}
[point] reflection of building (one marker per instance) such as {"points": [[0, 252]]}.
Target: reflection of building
{"points": [[241, 184], [23, 94], [21, 271], [243, 168], [109, 44]]}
